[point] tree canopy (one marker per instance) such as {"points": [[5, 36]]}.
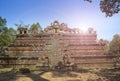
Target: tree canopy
{"points": [[6, 35], [35, 26], [109, 7], [115, 45], [107, 46], [2, 21], [3, 27]]}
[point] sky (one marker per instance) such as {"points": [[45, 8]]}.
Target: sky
{"points": [[76, 13]]}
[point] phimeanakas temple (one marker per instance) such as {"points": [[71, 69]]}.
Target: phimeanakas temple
{"points": [[58, 43]]}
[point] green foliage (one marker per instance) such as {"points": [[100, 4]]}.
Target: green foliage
{"points": [[2, 21], [21, 25], [3, 28], [109, 7], [106, 48], [115, 45], [4, 39], [35, 26], [6, 35]]}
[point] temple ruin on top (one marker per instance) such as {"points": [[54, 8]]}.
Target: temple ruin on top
{"points": [[56, 43]]}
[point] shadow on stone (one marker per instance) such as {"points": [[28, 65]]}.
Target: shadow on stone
{"points": [[110, 74], [36, 77]]}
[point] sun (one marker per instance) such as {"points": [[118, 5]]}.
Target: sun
{"points": [[84, 29]]}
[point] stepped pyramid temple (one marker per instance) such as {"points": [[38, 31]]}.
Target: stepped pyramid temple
{"points": [[58, 43]]}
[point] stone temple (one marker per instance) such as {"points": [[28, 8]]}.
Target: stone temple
{"points": [[56, 43]]}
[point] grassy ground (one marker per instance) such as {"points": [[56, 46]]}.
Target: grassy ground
{"points": [[80, 75]]}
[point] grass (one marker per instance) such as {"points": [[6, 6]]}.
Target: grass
{"points": [[5, 70]]}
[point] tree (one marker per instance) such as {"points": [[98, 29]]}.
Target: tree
{"points": [[12, 33], [6, 35], [35, 26], [3, 36], [115, 49], [2, 21], [3, 27], [21, 25], [107, 47], [115, 45], [109, 7]]}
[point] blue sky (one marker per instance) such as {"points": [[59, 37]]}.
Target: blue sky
{"points": [[76, 13]]}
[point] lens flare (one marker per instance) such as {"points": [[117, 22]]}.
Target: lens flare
{"points": [[84, 29]]}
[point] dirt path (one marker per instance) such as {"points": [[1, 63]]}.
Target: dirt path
{"points": [[53, 76], [57, 76]]}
